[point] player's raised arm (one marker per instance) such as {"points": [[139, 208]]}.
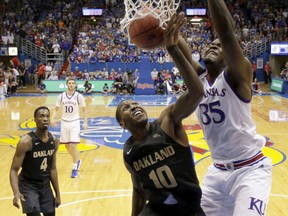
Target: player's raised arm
{"points": [[189, 100], [239, 67]]}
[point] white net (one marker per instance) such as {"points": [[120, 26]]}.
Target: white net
{"points": [[135, 9]]}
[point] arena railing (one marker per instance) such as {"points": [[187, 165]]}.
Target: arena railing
{"points": [[39, 53]]}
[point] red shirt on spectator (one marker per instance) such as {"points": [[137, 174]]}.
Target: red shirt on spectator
{"points": [[38, 41], [15, 61], [77, 73], [41, 70], [267, 68], [254, 67]]}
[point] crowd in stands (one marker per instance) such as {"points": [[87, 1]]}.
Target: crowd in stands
{"points": [[50, 25], [9, 79], [56, 26], [104, 42], [167, 81]]}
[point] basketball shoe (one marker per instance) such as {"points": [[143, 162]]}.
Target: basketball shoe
{"points": [[75, 169]]}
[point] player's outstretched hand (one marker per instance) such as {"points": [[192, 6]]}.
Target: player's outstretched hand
{"points": [[171, 34]]}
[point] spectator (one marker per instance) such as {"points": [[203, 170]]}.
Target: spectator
{"points": [[176, 87], [267, 70], [53, 76], [284, 71], [3, 90], [87, 87], [105, 89], [56, 47], [254, 69], [168, 86], [63, 75], [71, 76], [13, 84], [22, 73], [65, 46], [15, 74], [175, 71], [154, 76], [256, 87], [130, 82], [31, 72], [48, 69], [160, 87], [85, 74], [92, 59], [77, 73], [71, 58], [113, 89], [14, 62], [38, 40], [105, 73], [41, 72], [183, 87], [119, 83], [41, 88]]}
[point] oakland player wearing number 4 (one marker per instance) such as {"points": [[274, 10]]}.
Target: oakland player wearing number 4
{"points": [[238, 182], [36, 154], [71, 102], [158, 155]]}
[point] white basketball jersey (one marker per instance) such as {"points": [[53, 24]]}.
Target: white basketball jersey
{"points": [[70, 105], [226, 122]]}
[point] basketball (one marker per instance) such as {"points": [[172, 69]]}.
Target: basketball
{"points": [[145, 32]]}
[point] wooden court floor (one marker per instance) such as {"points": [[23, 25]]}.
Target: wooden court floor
{"points": [[103, 187]]}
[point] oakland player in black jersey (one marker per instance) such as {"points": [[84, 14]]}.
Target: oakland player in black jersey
{"points": [[158, 155], [36, 154]]}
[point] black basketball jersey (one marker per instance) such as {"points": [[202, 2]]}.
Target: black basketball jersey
{"points": [[37, 162], [165, 168]]}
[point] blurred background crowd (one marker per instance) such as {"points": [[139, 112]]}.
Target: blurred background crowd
{"points": [[57, 26]]}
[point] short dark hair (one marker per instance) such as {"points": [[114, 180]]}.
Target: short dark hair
{"points": [[39, 108], [70, 78], [118, 117]]}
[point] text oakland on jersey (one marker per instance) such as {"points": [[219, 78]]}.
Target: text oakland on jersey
{"points": [[153, 158]]}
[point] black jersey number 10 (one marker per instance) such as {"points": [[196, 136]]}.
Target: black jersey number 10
{"points": [[163, 177]]}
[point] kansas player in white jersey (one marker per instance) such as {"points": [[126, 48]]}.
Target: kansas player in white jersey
{"points": [[223, 114], [238, 182], [71, 102]]}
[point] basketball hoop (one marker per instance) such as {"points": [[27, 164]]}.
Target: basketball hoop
{"points": [[161, 9]]}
